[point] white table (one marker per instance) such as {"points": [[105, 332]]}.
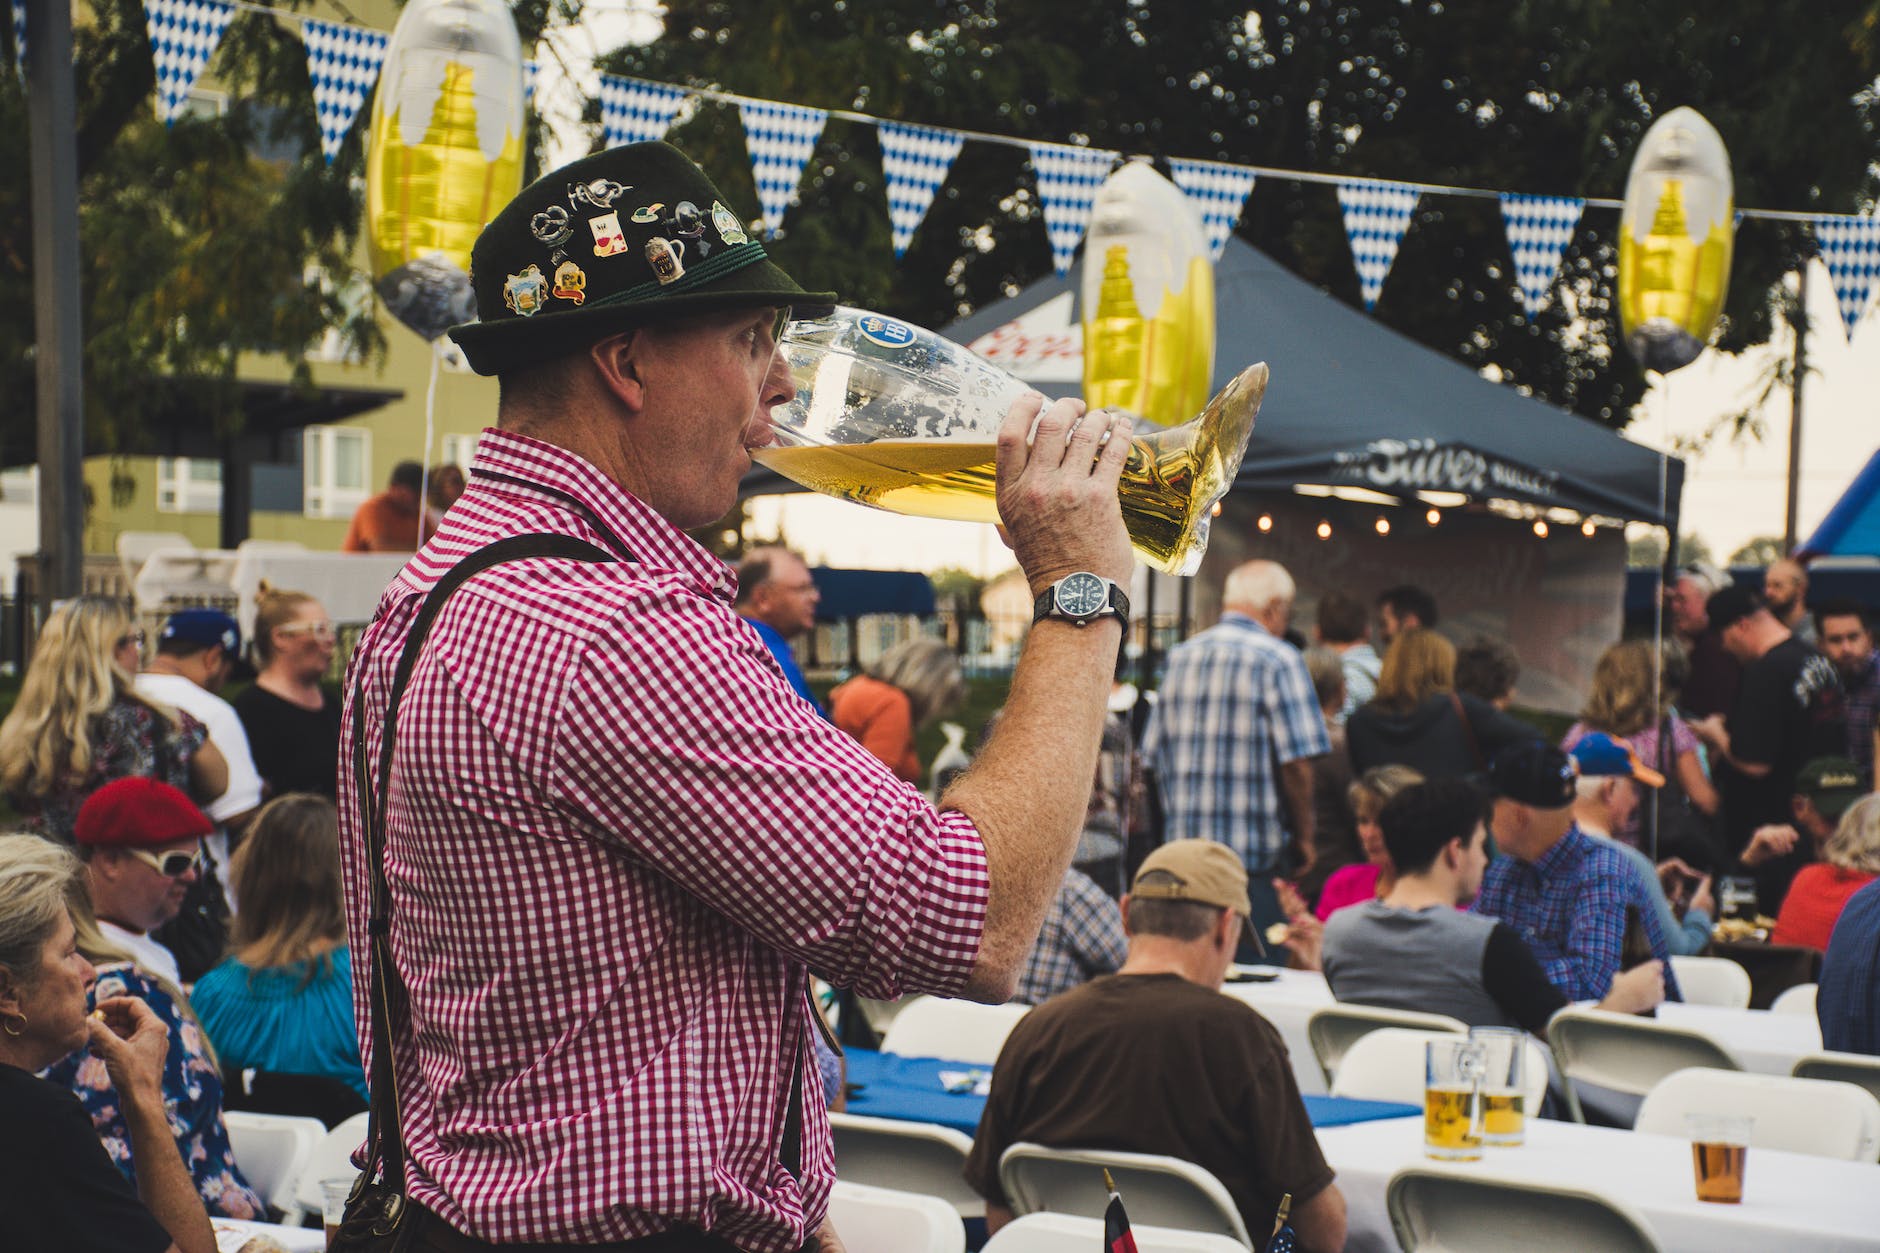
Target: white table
{"points": [[1764, 1042], [1287, 1002], [347, 585], [231, 1234], [171, 576], [1791, 1202]]}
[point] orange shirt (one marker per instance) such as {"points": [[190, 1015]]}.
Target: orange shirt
{"points": [[1814, 903], [387, 523], [882, 718]]}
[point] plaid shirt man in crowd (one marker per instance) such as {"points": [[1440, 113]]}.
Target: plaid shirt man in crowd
{"points": [[616, 840], [1236, 723], [1082, 938]]}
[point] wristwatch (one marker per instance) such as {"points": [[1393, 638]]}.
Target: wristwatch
{"points": [[1082, 598]]}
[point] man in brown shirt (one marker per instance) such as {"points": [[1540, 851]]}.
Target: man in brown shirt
{"points": [[1153, 1059], [388, 522]]}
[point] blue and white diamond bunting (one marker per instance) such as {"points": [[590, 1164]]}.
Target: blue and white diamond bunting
{"points": [[19, 35], [915, 160], [342, 63], [1068, 179], [634, 111], [1219, 191], [183, 36], [1376, 216], [1850, 246], [1539, 230], [779, 138]]}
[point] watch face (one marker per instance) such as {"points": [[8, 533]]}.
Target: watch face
{"points": [[1082, 595]]}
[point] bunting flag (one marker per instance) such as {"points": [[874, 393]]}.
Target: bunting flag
{"points": [[915, 160], [779, 138], [1068, 179], [1376, 216], [19, 34], [634, 111], [531, 70], [1539, 230], [1219, 191], [183, 36], [1850, 245], [342, 63]]}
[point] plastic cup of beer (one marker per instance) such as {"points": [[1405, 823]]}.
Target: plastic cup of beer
{"points": [[1452, 1126], [1504, 1092], [333, 1194], [1719, 1154]]}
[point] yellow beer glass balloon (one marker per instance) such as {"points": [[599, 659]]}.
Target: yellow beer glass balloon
{"points": [[445, 154], [1677, 231], [1148, 299]]}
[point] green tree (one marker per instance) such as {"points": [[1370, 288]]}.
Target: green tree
{"points": [[1759, 552], [1649, 550]]}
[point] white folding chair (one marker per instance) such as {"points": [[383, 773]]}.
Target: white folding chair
{"points": [[1712, 981], [135, 547], [272, 1151], [1856, 1068], [882, 1220], [331, 1159], [1799, 1000], [1821, 1117], [1387, 1065], [918, 1157], [963, 1031], [1451, 1211], [1067, 1233], [1161, 1191], [1335, 1028], [1625, 1053]]}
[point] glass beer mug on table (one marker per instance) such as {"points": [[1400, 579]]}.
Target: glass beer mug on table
{"points": [[897, 417], [1504, 1090], [1452, 1116]]}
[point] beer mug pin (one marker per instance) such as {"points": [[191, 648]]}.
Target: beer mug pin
{"points": [[664, 255]]}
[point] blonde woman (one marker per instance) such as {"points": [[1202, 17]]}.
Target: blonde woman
{"points": [[282, 1003], [79, 723], [59, 1190], [913, 683], [1850, 860], [1419, 720], [291, 719]]}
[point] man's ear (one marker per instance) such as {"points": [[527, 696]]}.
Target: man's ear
{"points": [[1123, 905], [618, 362]]}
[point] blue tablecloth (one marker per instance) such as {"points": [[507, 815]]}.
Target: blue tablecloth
{"points": [[885, 1086]]}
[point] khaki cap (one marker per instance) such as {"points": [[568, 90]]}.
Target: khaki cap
{"points": [[1204, 872]]}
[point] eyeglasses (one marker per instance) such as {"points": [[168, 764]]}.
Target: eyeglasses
{"points": [[171, 865], [133, 637], [783, 319], [293, 629]]}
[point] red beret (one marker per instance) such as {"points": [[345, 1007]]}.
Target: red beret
{"points": [[139, 813]]}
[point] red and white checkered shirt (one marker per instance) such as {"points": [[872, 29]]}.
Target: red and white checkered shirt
{"points": [[616, 840]]}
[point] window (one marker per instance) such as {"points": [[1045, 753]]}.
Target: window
{"points": [[458, 450], [20, 486], [188, 485], [336, 467]]}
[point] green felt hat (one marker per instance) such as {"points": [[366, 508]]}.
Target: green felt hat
{"points": [[606, 243]]}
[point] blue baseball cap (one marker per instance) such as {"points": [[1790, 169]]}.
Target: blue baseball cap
{"points": [[1599, 755], [207, 627]]}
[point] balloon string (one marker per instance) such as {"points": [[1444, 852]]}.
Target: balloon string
{"points": [[424, 457]]}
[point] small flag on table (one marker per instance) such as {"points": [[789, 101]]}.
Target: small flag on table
{"points": [[1116, 1234], [1282, 1240]]}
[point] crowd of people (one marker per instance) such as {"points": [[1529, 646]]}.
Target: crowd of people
{"points": [[583, 813]]}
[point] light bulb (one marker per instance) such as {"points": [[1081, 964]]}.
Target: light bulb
{"points": [[1433, 516], [1383, 526], [1266, 522], [1540, 527], [1587, 528], [1325, 530]]}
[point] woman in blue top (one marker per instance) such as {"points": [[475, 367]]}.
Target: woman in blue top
{"points": [[283, 1002]]}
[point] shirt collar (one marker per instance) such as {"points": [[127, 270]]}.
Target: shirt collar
{"points": [[508, 462], [1233, 618], [1566, 850]]}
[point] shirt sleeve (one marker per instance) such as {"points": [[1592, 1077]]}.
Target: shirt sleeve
{"points": [[1293, 710], [81, 1200], [244, 781], [1285, 1148], [1516, 982], [680, 744], [1095, 928]]}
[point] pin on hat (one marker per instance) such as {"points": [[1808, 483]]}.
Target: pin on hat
{"points": [[647, 250]]}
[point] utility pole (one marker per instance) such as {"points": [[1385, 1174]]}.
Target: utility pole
{"points": [[59, 355], [1800, 374]]}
